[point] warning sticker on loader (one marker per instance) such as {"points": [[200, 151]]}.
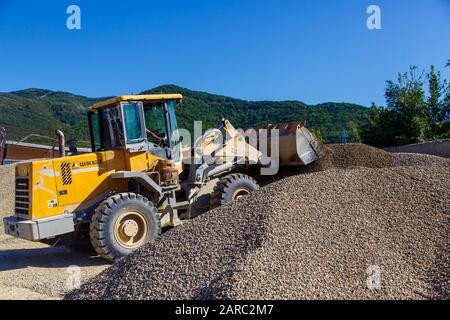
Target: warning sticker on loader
{"points": [[52, 203]]}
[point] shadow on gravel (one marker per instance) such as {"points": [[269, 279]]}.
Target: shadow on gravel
{"points": [[53, 257]]}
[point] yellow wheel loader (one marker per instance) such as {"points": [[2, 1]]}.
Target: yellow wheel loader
{"points": [[139, 179]]}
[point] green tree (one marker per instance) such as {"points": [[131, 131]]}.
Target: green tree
{"points": [[380, 129], [410, 115], [437, 104], [433, 102], [406, 99], [318, 135], [447, 99], [354, 132]]}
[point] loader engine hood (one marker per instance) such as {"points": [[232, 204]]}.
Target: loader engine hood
{"points": [[51, 187], [36, 191]]}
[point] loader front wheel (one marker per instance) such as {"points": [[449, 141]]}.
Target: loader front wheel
{"points": [[123, 223], [230, 188]]}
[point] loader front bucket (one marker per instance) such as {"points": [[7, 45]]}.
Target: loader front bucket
{"points": [[297, 145]]}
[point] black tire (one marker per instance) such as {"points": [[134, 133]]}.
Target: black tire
{"points": [[228, 188], [104, 228]]}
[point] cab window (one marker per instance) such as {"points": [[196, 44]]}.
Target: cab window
{"points": [[111, 128], [133, 123]]}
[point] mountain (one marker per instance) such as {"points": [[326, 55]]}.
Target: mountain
{"points": [[42, 111], [330, 118], [38, 111]]}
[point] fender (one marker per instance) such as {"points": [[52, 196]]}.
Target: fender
{"points": [[139, 176]]}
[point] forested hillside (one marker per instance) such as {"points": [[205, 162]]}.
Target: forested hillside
{"points": [[42, 111]]}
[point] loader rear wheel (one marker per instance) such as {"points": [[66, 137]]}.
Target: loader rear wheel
{"points": [[230, 188], [123, 223]]}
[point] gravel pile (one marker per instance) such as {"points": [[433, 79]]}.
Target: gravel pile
{"points": [[6, 193], [392, 220], [354, 155], [319, 235], [409, 159]]}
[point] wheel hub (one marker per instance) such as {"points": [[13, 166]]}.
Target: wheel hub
{"points": [[130, 228], [239, 193]]}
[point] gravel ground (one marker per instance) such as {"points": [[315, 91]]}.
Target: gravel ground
{"points": [[318, 235], [32, 270]]}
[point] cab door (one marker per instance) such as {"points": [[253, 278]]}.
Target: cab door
{"points": [[156, 124], [175, 144]]}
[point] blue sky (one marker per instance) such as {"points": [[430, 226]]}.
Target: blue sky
{"points": [[313, 51]]}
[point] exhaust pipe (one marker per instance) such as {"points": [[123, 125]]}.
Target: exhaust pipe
{"points": [[2, 145], [61, 143]]}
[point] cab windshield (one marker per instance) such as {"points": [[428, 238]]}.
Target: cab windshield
{"points": [[155, 122]]}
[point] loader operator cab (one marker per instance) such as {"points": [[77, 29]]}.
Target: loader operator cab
{"points": [[136, 124]]}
